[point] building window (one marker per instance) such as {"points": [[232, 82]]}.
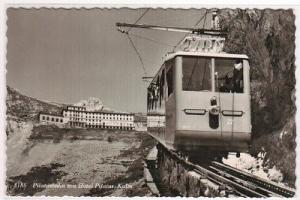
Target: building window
{"points": [[43, 117]]}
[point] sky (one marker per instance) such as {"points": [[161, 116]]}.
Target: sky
{"points": [[68, 55]]}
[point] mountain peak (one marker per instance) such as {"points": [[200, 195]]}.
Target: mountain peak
{"points": [[92, 104]]}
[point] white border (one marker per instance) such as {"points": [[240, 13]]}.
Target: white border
{"points": [[186, 4]]}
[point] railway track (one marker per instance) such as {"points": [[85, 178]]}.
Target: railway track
{"points": [[234, 181], [265, 187]]}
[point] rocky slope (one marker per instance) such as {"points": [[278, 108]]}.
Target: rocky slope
{"points": [[268, 38], [45, 155], [23, 108]]}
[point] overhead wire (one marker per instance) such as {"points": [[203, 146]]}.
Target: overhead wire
{"points": [[151, 40], [131, 42], [172, 19], [140, 57], [204, 19], [196, 24], [139, 18], [155, 41]]}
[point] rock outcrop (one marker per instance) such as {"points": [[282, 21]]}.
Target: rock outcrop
{"points": [[268, 38], [91, 104]]}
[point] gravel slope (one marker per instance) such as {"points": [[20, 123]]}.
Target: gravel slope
{"points": [[103, 163]]}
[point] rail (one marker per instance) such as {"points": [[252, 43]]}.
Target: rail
{"points": [[265, 185], [234, 180]]}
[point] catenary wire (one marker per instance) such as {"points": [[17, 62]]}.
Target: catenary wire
{"points": [[154, 41], [173, 19], [132, 44], [196, 24], [151, 40], [139, 18], [204, 19], [138, 54]]}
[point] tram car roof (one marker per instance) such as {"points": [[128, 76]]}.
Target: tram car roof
{"points": [[205, 54]]}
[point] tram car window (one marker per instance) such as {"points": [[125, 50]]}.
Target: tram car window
{"points": [[156, 91], [196, 74], [229, 75], [161, 87], [170, 78]]}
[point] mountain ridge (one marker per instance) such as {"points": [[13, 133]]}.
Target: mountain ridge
{"points": [[24, 108]]}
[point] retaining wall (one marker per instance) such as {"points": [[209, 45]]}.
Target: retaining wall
{"points": [[184, 181]]}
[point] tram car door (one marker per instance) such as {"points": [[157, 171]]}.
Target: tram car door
{"points": [[208, 103]]}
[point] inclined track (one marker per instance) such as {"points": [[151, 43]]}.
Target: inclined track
{"points": [[271, 188], [234, 180]]}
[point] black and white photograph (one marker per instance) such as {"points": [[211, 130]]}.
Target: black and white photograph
{"points": [[150, 102]]}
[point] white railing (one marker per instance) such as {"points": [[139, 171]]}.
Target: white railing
{"points": [[199, 43]]}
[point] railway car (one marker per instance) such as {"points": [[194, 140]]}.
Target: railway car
{"points": [[199, 102]]}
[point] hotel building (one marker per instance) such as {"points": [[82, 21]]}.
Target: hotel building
{"points": [[76, 116]]}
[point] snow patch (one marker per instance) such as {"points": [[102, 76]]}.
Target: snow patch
{"points": [[250, 164], [282, 134], [195, 175], [275, 175]]}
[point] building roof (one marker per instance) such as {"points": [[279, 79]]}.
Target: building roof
{"points": [[49, 114], [101, 112], [76, 106]]}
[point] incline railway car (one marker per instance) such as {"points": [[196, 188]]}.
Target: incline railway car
{"points": [[199, 101], [205, 100]]}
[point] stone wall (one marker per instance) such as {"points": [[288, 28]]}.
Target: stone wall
{"points": [[183, 181]]}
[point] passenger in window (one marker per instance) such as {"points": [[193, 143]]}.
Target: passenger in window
{"points": [[225, 86], [238, 76], [152, 95]]}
